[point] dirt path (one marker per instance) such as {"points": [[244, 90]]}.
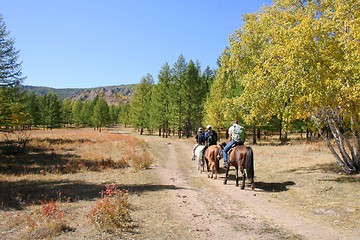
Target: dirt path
{"points": [[173, 200]]}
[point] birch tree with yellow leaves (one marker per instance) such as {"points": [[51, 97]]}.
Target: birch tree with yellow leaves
{"points": [[300, 60]]}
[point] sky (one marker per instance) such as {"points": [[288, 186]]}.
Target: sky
{"points": [[95, 43]]}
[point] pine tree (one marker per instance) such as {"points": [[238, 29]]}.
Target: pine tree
{"points": [[101, 115], [12, 111], [140, 104], [50, 110], [162, 93]]}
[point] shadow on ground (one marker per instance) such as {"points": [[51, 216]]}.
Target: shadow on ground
{"points": [[17, 195], [274, 186]]}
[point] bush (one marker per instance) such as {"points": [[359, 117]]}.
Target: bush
{"points": [[14, 142], [46, 222], [111, 213]]}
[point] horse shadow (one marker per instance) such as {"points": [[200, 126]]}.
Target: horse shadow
{"points": [[274, 186]]}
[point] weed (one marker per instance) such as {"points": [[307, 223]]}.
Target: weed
{"points": [[45, 222], [111, 213], [141, 160]]}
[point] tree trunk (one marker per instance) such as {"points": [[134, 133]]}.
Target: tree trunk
{"points": [[254, 136]]}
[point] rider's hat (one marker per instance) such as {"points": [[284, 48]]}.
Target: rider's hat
{"points": [[208, 126], [200, 129]]}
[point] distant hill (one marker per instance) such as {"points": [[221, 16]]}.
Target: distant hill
{"points": [[114, 95]]}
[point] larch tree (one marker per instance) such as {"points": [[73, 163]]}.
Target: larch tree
{"points": [[162, 94], [139, 104], [12, 110], [101, 115], [179, 93]]}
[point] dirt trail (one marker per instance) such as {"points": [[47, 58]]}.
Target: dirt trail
{"points": [[188, 205]]}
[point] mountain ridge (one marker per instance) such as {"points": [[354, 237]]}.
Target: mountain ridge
{"points": [[114, 95]]}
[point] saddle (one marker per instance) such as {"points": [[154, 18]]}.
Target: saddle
{"points": [[234, 145]]}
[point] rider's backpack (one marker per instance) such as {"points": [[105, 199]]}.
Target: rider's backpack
{"points": [[212, 138], [200, 138], [238, 134]]}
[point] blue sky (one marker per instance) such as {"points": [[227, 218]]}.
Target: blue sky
{"points": [[93, 43]]}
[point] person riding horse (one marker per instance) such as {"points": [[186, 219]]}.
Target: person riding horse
{"points": [[199, 140], [236, 137], [211, 138]]}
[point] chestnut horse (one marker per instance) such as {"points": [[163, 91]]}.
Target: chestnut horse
{"points": [[243, 157], [212, 156]]}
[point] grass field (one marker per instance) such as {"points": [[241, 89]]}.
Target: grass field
{"points": [[56, 184]]}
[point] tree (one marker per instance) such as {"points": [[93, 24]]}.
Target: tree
{"points": [[50, 110], [12, 111], [140, 102], [101, 115], [76, 112], [179, 100], [66, 112], [162, 94], [300, 59], [33, 108], [124, 115]]}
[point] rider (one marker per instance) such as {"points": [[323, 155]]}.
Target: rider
{"points": [[199, 140], [211, 138], [235, 137]]}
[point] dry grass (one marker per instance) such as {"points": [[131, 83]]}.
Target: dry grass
{"points": [[58, 170], [304, 176], [71, 167]]}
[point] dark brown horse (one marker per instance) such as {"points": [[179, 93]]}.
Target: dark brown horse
{"points": [[243, 157], [212, 156]]}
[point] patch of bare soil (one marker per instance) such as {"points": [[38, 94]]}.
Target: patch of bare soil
{"points": [[299, 194]]}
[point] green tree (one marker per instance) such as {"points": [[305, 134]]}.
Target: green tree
{"points": [[179, 95], [76, 112], [162, 93], [66, 112], [124, 114], [140, 104], [33, 108], [12, 111], [101, 113], [50, 110]]}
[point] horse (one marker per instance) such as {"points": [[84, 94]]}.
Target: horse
{"points": [[243, 157], [198, 157], [212, 155]]}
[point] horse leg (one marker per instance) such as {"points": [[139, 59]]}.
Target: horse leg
{"points": [[252, 183], [243, 177], [215, 170], [237, 176], [226, 174]]}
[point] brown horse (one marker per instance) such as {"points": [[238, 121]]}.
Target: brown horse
{"points": [[212, 156], [243, 157]]}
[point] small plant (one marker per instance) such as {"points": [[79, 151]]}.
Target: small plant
{"points": [[141, 160], [46, 222], [14, 142], [111, 213]]}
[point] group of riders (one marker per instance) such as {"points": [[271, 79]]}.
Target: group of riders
{"points": [[210, 137]]}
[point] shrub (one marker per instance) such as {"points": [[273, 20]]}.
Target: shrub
{"points": [[111, 213], [46, 222], [14, 142], [141, 160]]}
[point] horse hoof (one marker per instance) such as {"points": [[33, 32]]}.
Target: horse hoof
{"points": [[242, 187], [252, 187], [224, 183], [237, 185]]}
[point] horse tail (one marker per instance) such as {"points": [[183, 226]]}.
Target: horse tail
{"points": [[249, 162]]}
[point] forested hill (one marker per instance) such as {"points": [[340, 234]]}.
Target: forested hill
{"points": [[112, 94]]}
